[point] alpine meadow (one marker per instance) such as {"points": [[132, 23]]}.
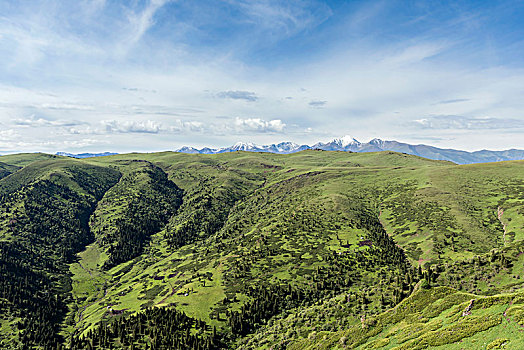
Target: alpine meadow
{"points": [[311, 250]]}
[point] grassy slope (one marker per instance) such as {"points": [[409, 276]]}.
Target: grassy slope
{"points": [[23, 159], [375, 180], [53, 196], [302, 206], [141, 183], [433, 318], [278, 191]]}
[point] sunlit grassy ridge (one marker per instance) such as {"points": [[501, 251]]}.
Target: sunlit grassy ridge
{"points": [[23, 159], [219, 231], [438, 317]]}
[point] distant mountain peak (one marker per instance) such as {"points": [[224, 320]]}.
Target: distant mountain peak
{"points": [[346, 141], [244, 146], [377, 142], [351, 144]]}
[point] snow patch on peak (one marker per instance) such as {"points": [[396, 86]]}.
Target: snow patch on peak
{"points": [[244, 145], [287, 146], [346, 141], [377, 142], [187, 149]]}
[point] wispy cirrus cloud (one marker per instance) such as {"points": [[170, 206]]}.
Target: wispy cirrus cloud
{"points": [[139, 22], [286, 17]]}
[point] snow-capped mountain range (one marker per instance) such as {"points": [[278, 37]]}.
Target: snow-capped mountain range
{"points": [[350, 144]]}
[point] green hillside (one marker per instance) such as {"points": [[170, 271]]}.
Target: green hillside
{"points": [[23, 159], [44, 214], [254, 250], [6, 169], [439, 318]]}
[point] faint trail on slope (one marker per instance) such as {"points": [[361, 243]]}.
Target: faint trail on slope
{"points": [[81, 314], [500, 212], [173, 289]]}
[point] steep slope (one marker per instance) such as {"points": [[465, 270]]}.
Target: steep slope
{"points": [[332, 322], [433, 318], [44, 212], [119, 224]]}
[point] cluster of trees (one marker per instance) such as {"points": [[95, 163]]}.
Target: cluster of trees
{"points": [[266, 302], [483, 273], [6, 169], [202, 214], [132, 231], [53, 212], [150, 200], [154, 328], [27, 292]]}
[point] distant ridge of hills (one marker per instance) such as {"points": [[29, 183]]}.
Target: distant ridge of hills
{"points": [[85, 155], [350, 144]]}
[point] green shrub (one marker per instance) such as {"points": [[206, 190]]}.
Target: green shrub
{"points": [[497, 343]]}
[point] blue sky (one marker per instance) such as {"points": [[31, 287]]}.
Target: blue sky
{"points": [[96, 75]]}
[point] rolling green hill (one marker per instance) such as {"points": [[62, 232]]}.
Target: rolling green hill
{"points": [[23, 159], [6, 169], [254, 250], [440, 318]]}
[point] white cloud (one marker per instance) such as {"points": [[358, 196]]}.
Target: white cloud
{"points": [[35, 122], [132, 126], [8, 134], [259, 125], [139, 23], [193, 126], [458, 122]]}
